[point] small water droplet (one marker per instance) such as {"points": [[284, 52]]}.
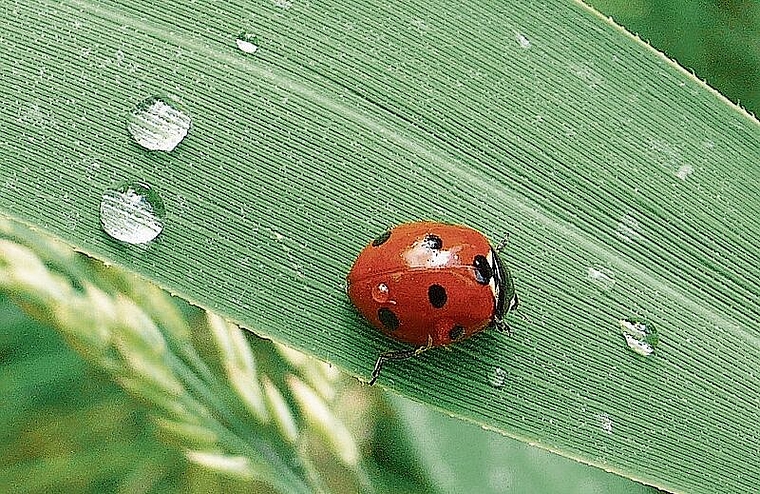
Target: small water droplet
{"points": [[419, 24], [601, 277], [606, 422], [588, 74], [684, 171], [628, 229], [247, 42], [640, 336], [498, 377], [380, 293], [158, 124], [522, 41], [133, 213]]}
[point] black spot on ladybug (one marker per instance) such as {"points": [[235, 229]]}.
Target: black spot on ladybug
{"points": [[483, 271], [381, 239], [456, 332], [432, 242], [388, 319], [437, 296]]}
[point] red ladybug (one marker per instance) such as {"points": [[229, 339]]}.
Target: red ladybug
{"points": [[430, 284]]}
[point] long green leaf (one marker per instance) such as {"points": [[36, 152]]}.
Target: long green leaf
{"points": [[548, 122]]}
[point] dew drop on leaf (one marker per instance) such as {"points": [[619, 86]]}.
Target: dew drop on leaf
{"points": [[132, 213], [158, 124], [641, 337], [684, 171], [247, 43], [601, 277], [498, 378], [522, 41]]}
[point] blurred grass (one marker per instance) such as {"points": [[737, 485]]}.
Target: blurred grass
{"points": [[66, 426]]}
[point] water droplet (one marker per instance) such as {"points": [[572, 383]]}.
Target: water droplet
{"points": [[380, 293], [628, 229], [247, 42], [587, 73], [684, 172], [641, 337], [158, 124], [133, 213], [419, 24], [606, 422], [601, 277], [522, 41], [498, 377]]}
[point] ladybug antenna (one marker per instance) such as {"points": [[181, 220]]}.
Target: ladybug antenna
{"points": [[503, 244], [397, 355]]}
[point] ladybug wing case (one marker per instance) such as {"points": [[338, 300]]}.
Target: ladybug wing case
{"points": [[422, 282], [440, 306]]}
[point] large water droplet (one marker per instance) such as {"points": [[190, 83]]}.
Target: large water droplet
{"points": [[247, 42], [158, 124], [133, 213], [641, 337]]}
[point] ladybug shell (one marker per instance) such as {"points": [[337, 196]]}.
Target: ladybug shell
{"points": [[426, 281]]}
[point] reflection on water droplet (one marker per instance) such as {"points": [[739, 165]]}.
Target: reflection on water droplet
{"points": [[641, 337], [158, 124], [498, 377], [684, 172], [628, 229], [601, 277], [606, 422], [133, 213], [523, 41], [380, 293], [247, 43]]}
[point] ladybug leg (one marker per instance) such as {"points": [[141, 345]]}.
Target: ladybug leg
{"points": [[397, 355], [503, 326], [500, 323]]}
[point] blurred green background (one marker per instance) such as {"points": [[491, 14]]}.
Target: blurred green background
{"points": [[66, 428], [719, 40]]}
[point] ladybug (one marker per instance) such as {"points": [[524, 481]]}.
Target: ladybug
{"points": [[430, 284]]}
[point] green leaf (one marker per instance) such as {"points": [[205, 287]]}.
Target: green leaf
{"points": [[594, 152]]}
